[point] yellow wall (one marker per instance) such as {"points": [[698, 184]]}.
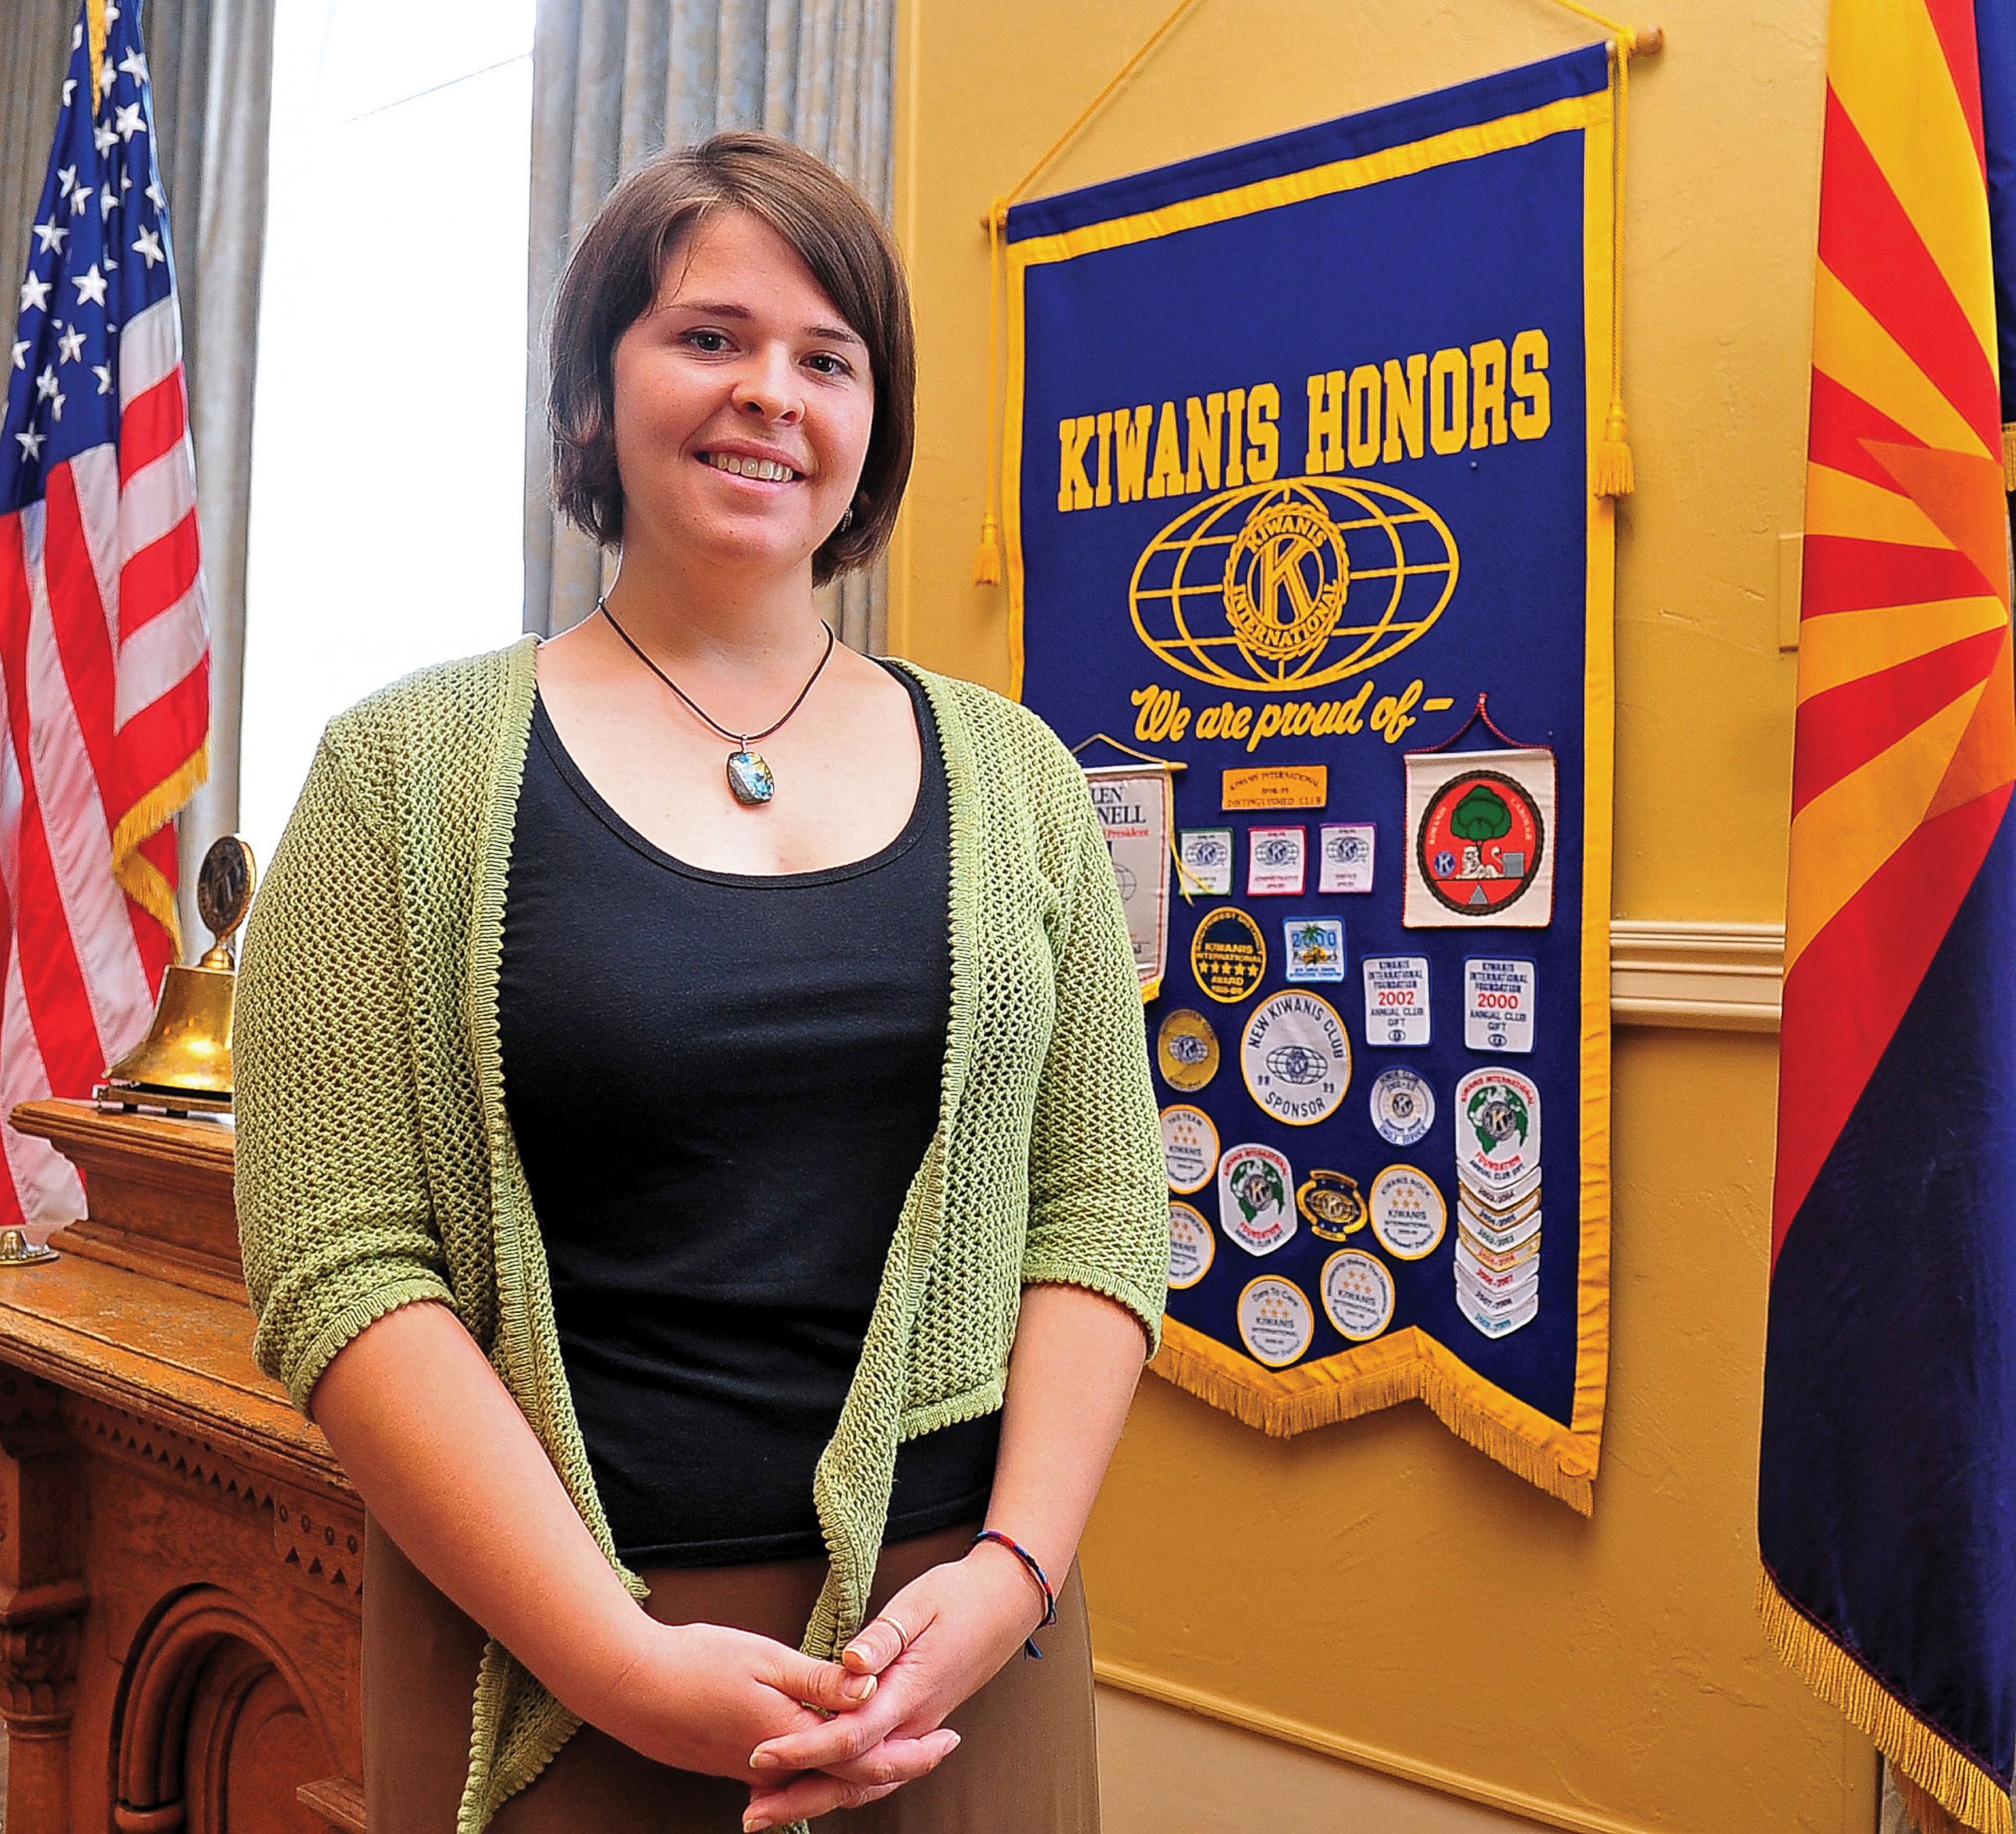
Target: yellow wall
{"points": [[1377, 1590]]}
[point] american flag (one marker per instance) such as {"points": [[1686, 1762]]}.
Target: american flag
{"points": [[104, 642]]}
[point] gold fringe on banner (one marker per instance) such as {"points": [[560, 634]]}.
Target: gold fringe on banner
{"points": [[1405, 1367], [1956, 1793]]}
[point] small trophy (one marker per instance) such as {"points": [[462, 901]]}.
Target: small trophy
{"points": [[183, 1066]]}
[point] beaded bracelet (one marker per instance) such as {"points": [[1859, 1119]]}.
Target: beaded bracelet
{"points": [[1036, 1573]]}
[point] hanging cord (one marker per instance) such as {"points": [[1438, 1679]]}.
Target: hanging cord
{"points": [[987, 559], [1614, 473]]}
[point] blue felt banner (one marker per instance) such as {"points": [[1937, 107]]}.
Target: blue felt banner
{"points": [[1298, 471]]}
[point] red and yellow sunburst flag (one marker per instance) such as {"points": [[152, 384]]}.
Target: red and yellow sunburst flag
{"points": [[1887, 1504]]}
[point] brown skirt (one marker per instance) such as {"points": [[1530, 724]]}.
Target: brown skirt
{"points": [[1027, 1762]]}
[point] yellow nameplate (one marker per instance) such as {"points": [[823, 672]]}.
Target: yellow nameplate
{"points": [[1278, 786]]}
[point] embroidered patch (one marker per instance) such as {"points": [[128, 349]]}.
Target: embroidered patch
{"points": [[1277, 786], [1206, 854], [1228, 955], [1396, 1000], [1493, 1323], [1314, 948], [1345, 857], [1498, 1260], [1498, 1004], [1408, 1216], [1403, 1107], [1479, 825], [1253, 1209], [1192, 1246], [1276, 862], [1296, 1058], [1186, 1050], [1494, 1238], [1332, 1204], [1189, 1148], [1276, 1321], [1498, 1134], [1357, 1295]]}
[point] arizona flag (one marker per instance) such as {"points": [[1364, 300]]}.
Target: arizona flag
{"points": [[1887, 1504]]}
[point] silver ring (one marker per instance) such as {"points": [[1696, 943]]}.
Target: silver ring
{"points": [[883, 1617]]}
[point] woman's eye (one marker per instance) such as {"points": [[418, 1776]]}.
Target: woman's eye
{"points": [[709, 343], [827, 364]]}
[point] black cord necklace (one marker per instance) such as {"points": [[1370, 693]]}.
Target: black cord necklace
{"points": [[749, 776]]}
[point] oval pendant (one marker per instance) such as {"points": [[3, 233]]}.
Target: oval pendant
{"points": [[749, 778]]}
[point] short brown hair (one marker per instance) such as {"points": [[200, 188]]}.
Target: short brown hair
{"points": [[612, 276]]}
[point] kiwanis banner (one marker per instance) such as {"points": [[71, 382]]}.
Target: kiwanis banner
{"points": [[1301, 539]]}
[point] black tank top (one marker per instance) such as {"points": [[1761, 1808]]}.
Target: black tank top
{"points": [[721, 1086]]}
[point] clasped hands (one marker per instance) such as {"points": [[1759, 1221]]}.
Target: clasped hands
{"points": [[704, 1697]]}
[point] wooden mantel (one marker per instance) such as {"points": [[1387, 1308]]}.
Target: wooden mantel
{"points": [[181, 1561]]}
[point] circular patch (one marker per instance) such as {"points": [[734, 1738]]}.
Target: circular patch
{"points": [[1192, 1246], [1357, 1294], [1403, 1107], [1186, 1050], [1254, 1183], [1479, 843], [1228, 954], [1275, 1322], [1296, 1058], [1408, 1216], [1189, 1148], [1498, 1135], [1332, 1204]]}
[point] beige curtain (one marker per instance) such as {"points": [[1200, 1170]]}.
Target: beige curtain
{"points": [[34, 47], [211, 61], [615, 80]]}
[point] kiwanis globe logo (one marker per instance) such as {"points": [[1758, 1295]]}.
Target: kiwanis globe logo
{"points": [[1292, 585]]}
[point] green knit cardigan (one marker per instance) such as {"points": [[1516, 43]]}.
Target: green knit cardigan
{"points": [[376, 1164]]}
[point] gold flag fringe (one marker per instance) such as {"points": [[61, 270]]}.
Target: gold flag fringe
{"points": [[137, 876], [1281, 1417], [1931, 1770], [1926, 1814]]}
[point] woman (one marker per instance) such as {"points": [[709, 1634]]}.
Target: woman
{"points": [[710, 1197]]}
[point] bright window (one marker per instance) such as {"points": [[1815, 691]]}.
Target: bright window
{"points": [[388, 431]]}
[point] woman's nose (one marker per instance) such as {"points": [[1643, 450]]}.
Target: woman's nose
{"points": [[767, 389]]}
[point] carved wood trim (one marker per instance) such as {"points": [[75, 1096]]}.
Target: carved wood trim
{"points": [[151, 1720], [1700, 976], [160, 1193], [338, 1801], [318, 1533]]}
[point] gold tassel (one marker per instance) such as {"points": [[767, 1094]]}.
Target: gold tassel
{"points": [[987, 557], [1614, 474], [2009, 459]]}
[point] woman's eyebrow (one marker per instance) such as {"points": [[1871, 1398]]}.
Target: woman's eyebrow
{"points": [[824, 334]]}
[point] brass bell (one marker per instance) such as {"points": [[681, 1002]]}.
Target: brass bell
{"points": [[184, 1062]]}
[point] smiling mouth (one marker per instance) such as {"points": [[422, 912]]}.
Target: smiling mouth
{"points": [[767, 470]]}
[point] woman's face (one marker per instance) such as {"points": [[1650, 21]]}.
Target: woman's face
{"points": [[743, 404]]}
